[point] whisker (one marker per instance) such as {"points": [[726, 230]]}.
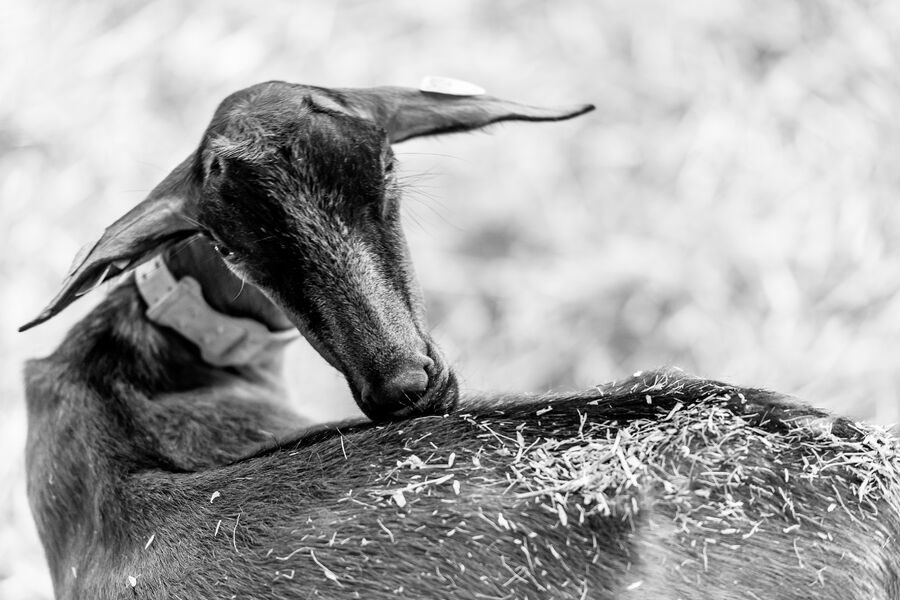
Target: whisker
{"points": [[243, 283], [439, 154]]}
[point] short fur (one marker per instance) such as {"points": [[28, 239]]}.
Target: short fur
{"points": [[154, 475], [701, 490], [295, 184]]}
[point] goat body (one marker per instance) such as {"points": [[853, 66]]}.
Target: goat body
{"points": [[661, 486], [153, 474]]}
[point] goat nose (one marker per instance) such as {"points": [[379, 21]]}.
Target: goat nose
{"points": [[399, 394], [413, 381]]}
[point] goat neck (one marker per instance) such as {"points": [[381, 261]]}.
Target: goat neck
{"points": [[122, 394]]}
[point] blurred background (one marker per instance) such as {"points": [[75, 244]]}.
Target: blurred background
{"points": [[729, 208]]}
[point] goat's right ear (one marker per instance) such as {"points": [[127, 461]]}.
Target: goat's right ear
{"points": [[444, 106], [164, 216]]}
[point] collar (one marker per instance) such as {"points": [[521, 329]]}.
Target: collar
{"points": [[224, 341]]}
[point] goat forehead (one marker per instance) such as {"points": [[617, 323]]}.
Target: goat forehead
{"points": [[298, 186], [270, 95], [277, 114], [315, 149], [294, 161]]}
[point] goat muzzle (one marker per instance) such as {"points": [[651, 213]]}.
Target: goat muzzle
{"points": [[422, 386]]}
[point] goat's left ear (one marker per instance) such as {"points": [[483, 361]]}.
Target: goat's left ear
{"points": [[443, 106], [162, 217]]}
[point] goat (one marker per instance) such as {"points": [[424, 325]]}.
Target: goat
{"points": [[163, 468]]}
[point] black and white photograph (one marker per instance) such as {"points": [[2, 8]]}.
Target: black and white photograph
{"points": [[486, 300]]}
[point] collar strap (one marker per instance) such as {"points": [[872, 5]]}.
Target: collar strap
{"points": [[224, 341]]}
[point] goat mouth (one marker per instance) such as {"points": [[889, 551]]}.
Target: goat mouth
{"points": [[442, 393], [439, 396]]}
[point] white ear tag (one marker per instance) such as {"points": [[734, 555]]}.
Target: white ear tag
{"points": [[449, 87]]}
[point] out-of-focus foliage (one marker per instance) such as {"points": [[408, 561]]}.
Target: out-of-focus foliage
{"points": [[729, 208]]}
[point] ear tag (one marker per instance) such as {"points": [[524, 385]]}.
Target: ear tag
{"points": [[449, 86]]}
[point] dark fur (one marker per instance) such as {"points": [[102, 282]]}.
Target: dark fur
{"points": [[112, 464], [154, 475], [296, 186], [304, 198]]}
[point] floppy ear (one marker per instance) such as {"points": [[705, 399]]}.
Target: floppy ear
{"points": [[163, 216], [443, 106]]}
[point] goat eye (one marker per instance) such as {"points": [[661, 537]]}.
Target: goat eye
{"points": [[223, 250]]}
